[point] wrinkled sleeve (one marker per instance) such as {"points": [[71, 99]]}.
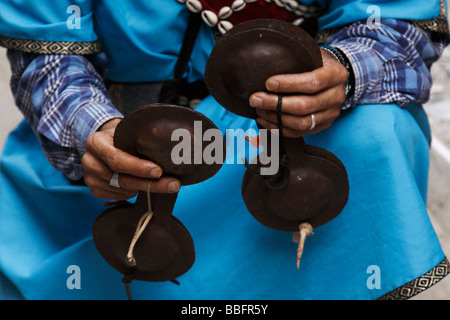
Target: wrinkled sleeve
{"points": [[64, 100], [390, 62], [55, 85]]}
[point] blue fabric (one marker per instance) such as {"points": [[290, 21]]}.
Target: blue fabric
{"points": [[142, 39], [343, 12], [45, 222], [123, 26], [46, 20], [43, 84]]}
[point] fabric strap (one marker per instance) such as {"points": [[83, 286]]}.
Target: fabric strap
{"points": [[171, 88], [129, 96]]}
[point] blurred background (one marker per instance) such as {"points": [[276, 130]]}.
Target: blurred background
{"points": [[438, 109]]}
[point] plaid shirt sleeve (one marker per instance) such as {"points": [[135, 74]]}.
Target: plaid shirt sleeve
{"points": [[391, 61], [64, 100]]}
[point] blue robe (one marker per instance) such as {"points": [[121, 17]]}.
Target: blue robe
{"points": [[382, 240]]}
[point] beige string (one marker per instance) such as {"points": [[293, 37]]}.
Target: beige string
{"points": [[305, 229], [142, 224]]}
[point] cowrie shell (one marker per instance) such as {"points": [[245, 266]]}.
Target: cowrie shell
{"points": [[225, 12], [194, 5], [298, 22], [210, 18], [238, 5], [224, 26], [279, 3], [291, 5], [250, 1], [181, 1]]}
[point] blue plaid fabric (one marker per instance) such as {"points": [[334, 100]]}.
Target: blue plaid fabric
{"points": [[391, 61], [64, 99]]}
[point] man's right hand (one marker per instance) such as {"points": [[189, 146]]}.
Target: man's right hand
{"points": [[102, 159]]}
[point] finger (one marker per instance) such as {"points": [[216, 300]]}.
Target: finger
{"points": [[131, 184], [300, 123], [291, 133], [94, 166], [111, 195], [101, 189], [300, 104], [330, 75], [98, 174], [161, 185], [100, 144]]}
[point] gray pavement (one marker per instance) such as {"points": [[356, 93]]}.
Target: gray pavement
{"points": [[9, 115], [439, 186], [438, 110]]}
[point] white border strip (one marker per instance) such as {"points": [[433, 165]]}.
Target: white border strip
{"points": [[441, 149]]}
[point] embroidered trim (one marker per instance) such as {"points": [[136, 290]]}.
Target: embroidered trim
{"points": [[50, 47], [419, 284], [434, 25], [438, 24]]}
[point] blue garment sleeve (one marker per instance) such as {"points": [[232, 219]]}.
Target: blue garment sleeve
{"points": [[64, 100], [344, 12], [48, 20], [49, 27]]}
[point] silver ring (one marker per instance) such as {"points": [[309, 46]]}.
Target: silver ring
{"points": [[114, 182], [313, 122]]}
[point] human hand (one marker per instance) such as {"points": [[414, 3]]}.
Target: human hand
{"points": [[320, 92], [102, 159]]}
